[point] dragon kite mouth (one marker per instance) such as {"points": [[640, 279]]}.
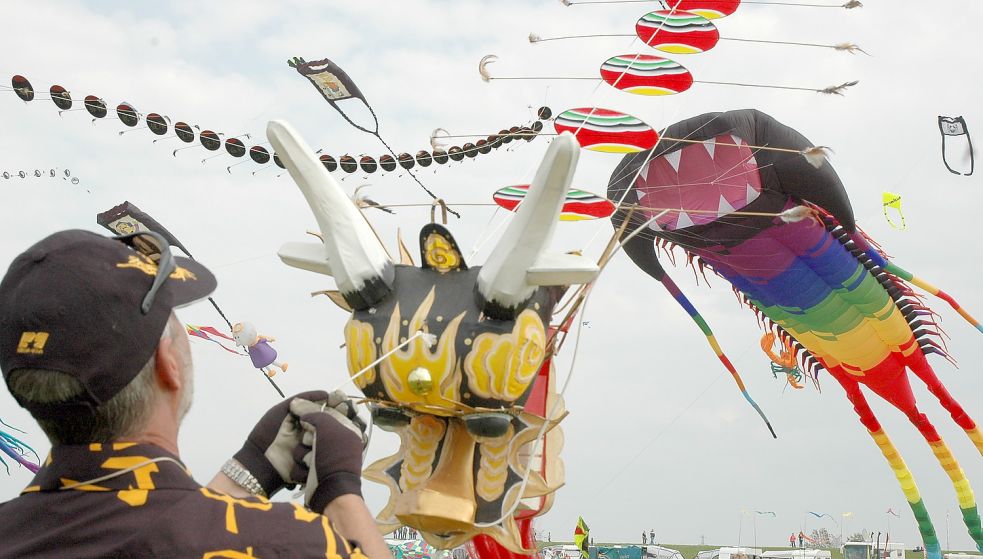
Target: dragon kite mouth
{"points": [[699, 183]]}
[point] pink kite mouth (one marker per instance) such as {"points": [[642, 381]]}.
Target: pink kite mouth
{"points": [[699, 183]]}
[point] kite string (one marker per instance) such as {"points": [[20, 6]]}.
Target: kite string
{"points": [[412, 175], [388, 148]]}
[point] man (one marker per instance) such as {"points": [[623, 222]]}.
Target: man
{"points": [[90, 346]]}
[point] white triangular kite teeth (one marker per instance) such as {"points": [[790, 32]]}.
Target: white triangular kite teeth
{"points": [[711, 146], [683, 221], [724, 208], [752, 194], [654, 225], [737, 140], [673, 158]]}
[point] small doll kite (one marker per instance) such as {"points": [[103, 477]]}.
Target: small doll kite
{"points": [[261, 353]]}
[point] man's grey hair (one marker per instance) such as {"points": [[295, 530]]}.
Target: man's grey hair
{"points": [[124, 415]]}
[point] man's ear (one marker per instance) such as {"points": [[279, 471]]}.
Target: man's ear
{"points": [[166, 365]]}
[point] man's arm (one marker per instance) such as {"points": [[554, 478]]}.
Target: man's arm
{"points": [[353, 521], [331, 454], [223, 484]]}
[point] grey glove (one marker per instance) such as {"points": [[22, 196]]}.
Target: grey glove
{"points": [[330, 451], [268, 451]]}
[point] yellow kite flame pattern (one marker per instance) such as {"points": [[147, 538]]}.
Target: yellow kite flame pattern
{"points": [[502, 366], [442, 363]]}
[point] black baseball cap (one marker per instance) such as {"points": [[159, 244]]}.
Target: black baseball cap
{"points": [[92, 307]]}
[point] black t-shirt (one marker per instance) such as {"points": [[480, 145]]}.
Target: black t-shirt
{"points": [[153, 509]]}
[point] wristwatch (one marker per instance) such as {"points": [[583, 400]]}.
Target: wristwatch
{"points": [[242, 477]]}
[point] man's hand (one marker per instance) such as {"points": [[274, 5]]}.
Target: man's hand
{"points": [[268, 450], [330, 451]]}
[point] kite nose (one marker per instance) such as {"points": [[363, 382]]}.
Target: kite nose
{"points": [[445, 503]]}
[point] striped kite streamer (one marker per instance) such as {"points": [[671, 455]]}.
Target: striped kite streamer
{"points": [[644, 74], [579, 205], [606, 131], [710, 9], [677, 32]]}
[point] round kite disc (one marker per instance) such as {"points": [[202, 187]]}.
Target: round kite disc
{"points": [[406, 161], [455, 153], [677, 32], [644, 74], [483, 145], [579, 205], [95, 106], [348, 164], [256, 153], [210, 140], [544, 113], [470, 149], [423, 158], [440, 156], [276, 160], [387, 162], [187, 135], [127, 114], [606, 131], [368, 164], [710, 9], [61, 97], [234, 146], [329, 162], [22, 88], [157, 124]]}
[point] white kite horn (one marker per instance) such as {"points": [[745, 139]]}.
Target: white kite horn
{"points": [[519, 263], [350, 251]]}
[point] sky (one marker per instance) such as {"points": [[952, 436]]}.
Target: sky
{"points": [[658, 437]]}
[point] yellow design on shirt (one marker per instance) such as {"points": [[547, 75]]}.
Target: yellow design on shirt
{"points": [[231, 525], [230, 554], [134, 496]]}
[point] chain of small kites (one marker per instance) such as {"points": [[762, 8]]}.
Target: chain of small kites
{"points": [[159, 125]]}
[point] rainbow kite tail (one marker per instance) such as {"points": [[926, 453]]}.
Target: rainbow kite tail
{"points": [[933, 550], [920, 283], [967, 501], [977, 437], [680, 298]]}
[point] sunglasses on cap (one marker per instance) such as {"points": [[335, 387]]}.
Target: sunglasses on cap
{"points": [[156, 246]]}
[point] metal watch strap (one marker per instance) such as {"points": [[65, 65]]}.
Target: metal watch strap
{"points": [[242, 477]]}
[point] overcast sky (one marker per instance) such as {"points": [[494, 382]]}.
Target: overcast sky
{"points": [[658, 436]]}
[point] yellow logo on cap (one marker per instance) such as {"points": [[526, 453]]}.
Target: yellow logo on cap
{"points": [[32, 343], [149, 267]]}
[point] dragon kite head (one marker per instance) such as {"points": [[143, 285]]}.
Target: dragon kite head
{"points": [[455, 359], [722, 178]]}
